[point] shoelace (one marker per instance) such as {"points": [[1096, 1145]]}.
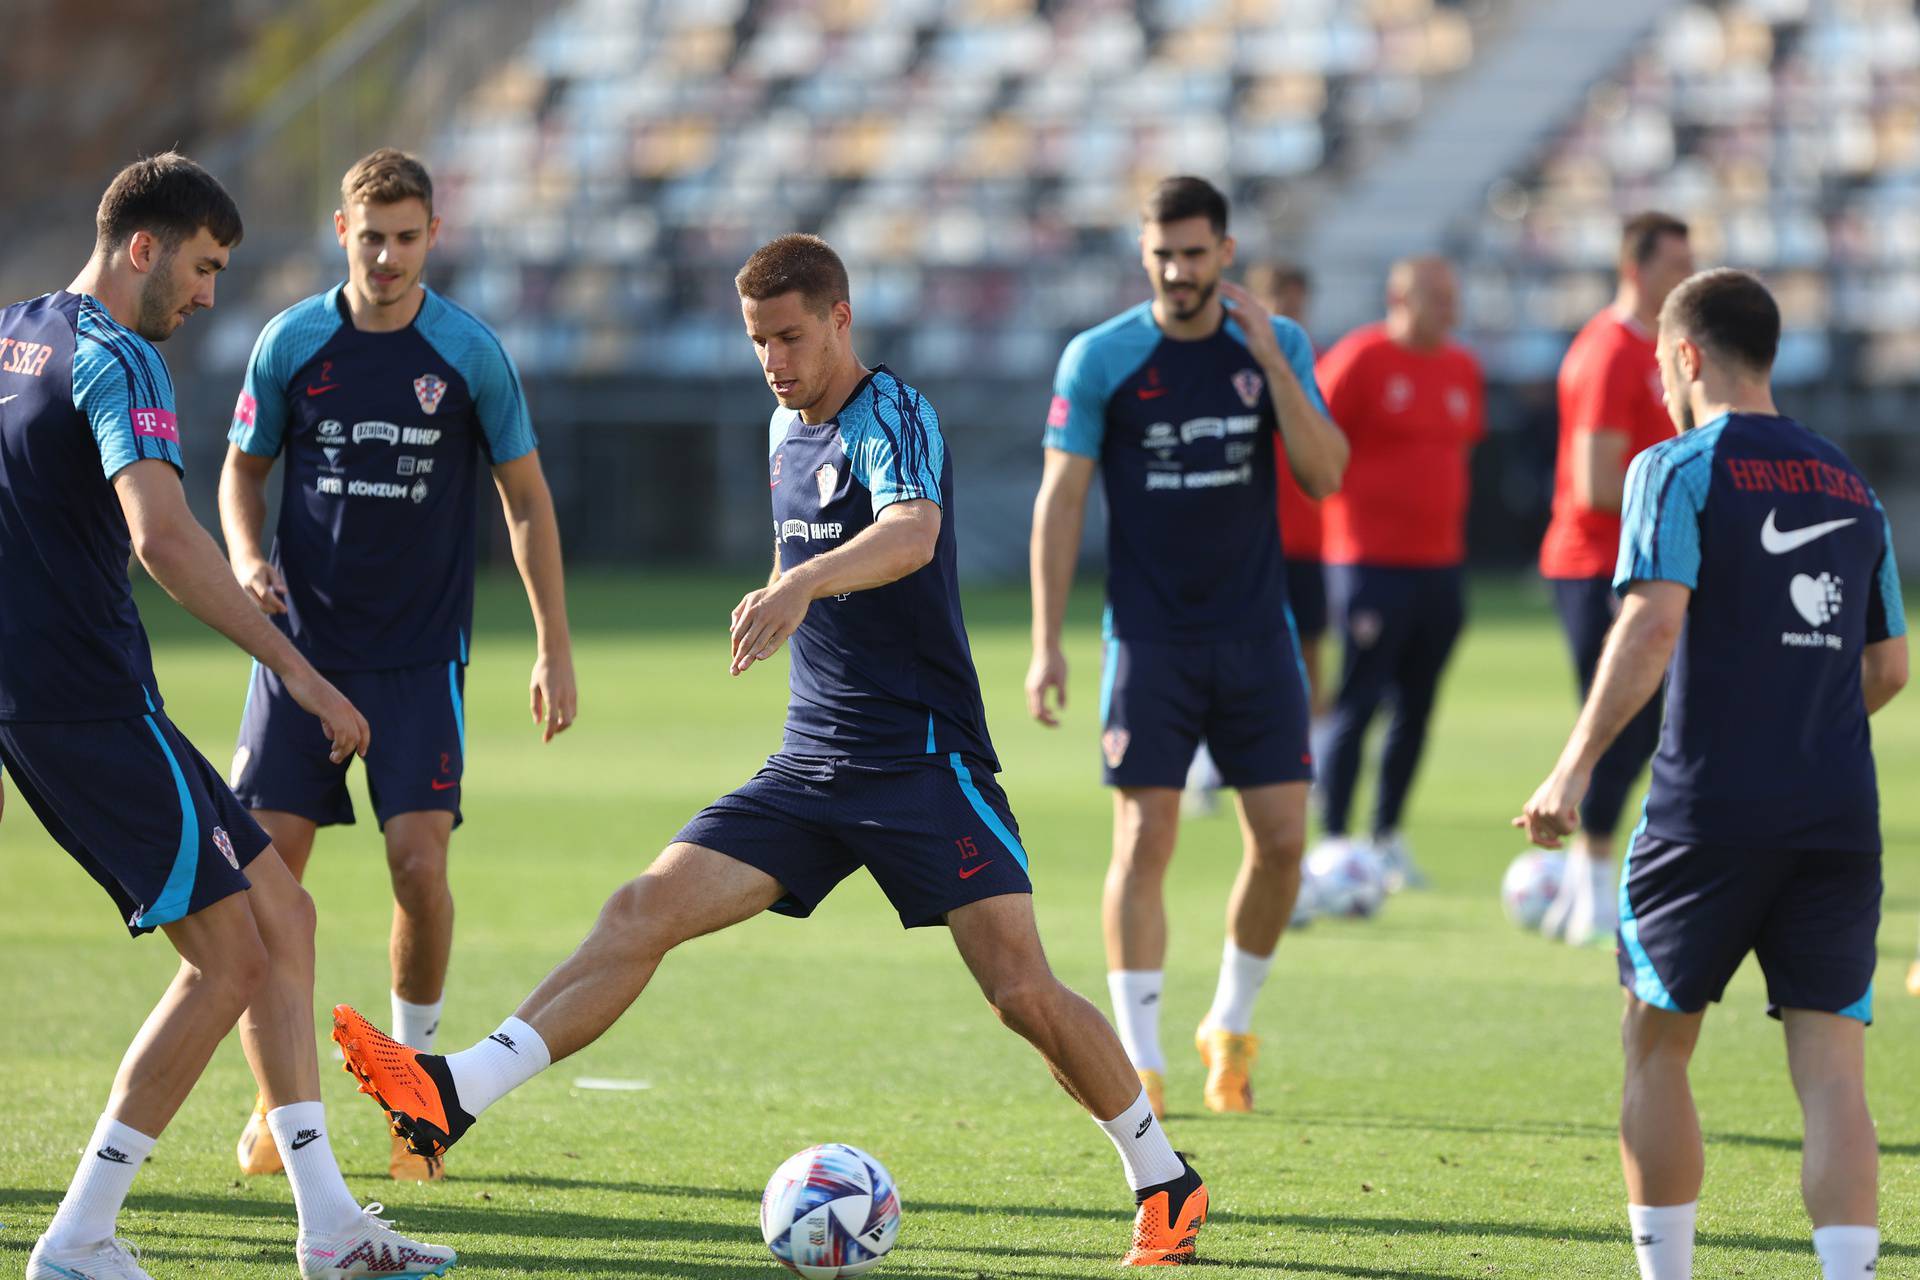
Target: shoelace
{"points": [[125, 1246], [373, 1209]]}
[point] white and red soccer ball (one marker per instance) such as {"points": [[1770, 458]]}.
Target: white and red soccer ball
{"points": [[830, 1211]]}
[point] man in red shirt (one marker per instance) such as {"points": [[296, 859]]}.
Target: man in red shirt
{"points": [[1411, 402], [1611, 408]]}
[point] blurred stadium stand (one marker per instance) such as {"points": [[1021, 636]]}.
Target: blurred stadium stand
{"points": [[604, 166]]}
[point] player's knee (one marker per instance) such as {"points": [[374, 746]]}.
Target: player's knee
{"points": [[632, 918], [1277, 851], [237, 973], [1026, 1004], [419, 874], [1144, 845], [1656, 1037]]}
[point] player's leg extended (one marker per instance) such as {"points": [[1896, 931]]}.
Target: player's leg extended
{"points": [[1000, 943], [1840, 1164], [1273, 829], [687, 892], [1437, 616], [1660, 1147], [422, 937], [1146, 823], [256, 1151]]}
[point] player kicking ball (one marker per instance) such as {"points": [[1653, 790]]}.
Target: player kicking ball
{"points": [[90, 461], [1757, 572], [885, 764]]}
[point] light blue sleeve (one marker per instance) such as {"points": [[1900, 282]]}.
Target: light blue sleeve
{"points": [[1886, 609], [122, 387], [295, 336], [1077, 417], [492, 380], [1666, 491], [1298, 349], [898, 453]]}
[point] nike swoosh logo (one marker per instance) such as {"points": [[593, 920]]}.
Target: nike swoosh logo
{"points": [[316, 391], [970, 872], [438, 785], [1777, 542], [1152, 393], [9, 399], [305, 1139]]}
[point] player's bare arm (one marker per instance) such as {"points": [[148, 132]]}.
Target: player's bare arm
{"points": [[1599, 460], [553, 696], [1883, 671], [243, 513], [1059, 510], [1316, 448], [900, 541], [1635, 660], [181, 556]]}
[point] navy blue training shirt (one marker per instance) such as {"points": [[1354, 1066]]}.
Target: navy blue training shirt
{"points": [[1790, 559], [384, 435], [886, 672], [81, 399], [1184, 432]]}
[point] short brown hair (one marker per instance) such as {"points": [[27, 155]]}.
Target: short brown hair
{"points": [[1728, 312], [1640, 236], [1183, 197], [795, 263], [387, 176], [169, 196]]}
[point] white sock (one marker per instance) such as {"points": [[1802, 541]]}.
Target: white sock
{"points": [[1663, 1239], [414, 1024], [1136, 1015], [1241, 975], [497, 1065], [1847, 1253], [1142, 1145], [91, 1207], [320, 1194]]}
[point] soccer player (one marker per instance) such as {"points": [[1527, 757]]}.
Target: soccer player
{"points": [[1757, 572], [885, 763], [89, 475], [1411, 402], [1179, 405], [1285, 289], [1610, 410], [386, 399]]}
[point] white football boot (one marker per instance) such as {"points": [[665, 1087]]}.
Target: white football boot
{"points": [[114, 1259], [370, 1247]]}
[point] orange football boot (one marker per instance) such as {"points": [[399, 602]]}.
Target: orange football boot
{"points": [[1229, 1058], [413, 1088], [256, 1150], [1166, 1228]]}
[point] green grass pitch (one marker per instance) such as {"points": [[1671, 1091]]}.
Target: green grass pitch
{"points": [[1437, 1090]]}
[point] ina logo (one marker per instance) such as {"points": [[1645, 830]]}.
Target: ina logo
{"points": [[428, 389], [224, 844], [828, 478], [1249, 385]]}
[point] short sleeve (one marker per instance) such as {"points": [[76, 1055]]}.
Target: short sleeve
{"points": [[1298, 349], [1660, 524], [1077, 417], [1886, 610], [499, 402], [259, 425], [122, 388], [900, 455]]}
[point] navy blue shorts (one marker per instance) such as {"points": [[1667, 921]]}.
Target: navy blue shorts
{"points": [[1246, 698], [1307, 597], [140, 809], [414, 762], [935, 831], [1689, 914]]}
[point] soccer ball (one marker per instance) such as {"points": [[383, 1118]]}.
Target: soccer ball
{"points": [[1531, 884], [1349, 879], [830, 1211]]}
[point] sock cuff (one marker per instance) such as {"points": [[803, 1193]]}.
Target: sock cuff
{"points": [[306, 1114], [1663, 1214], [400, 1002], [1140, 1102], [124, 1138], [1843, 1233], [1233, 953]]}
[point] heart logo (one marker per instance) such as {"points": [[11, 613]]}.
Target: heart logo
{"points": [[1815, 599]]}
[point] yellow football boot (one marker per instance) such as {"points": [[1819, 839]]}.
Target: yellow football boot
{"points": [[1229, 1059]]}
